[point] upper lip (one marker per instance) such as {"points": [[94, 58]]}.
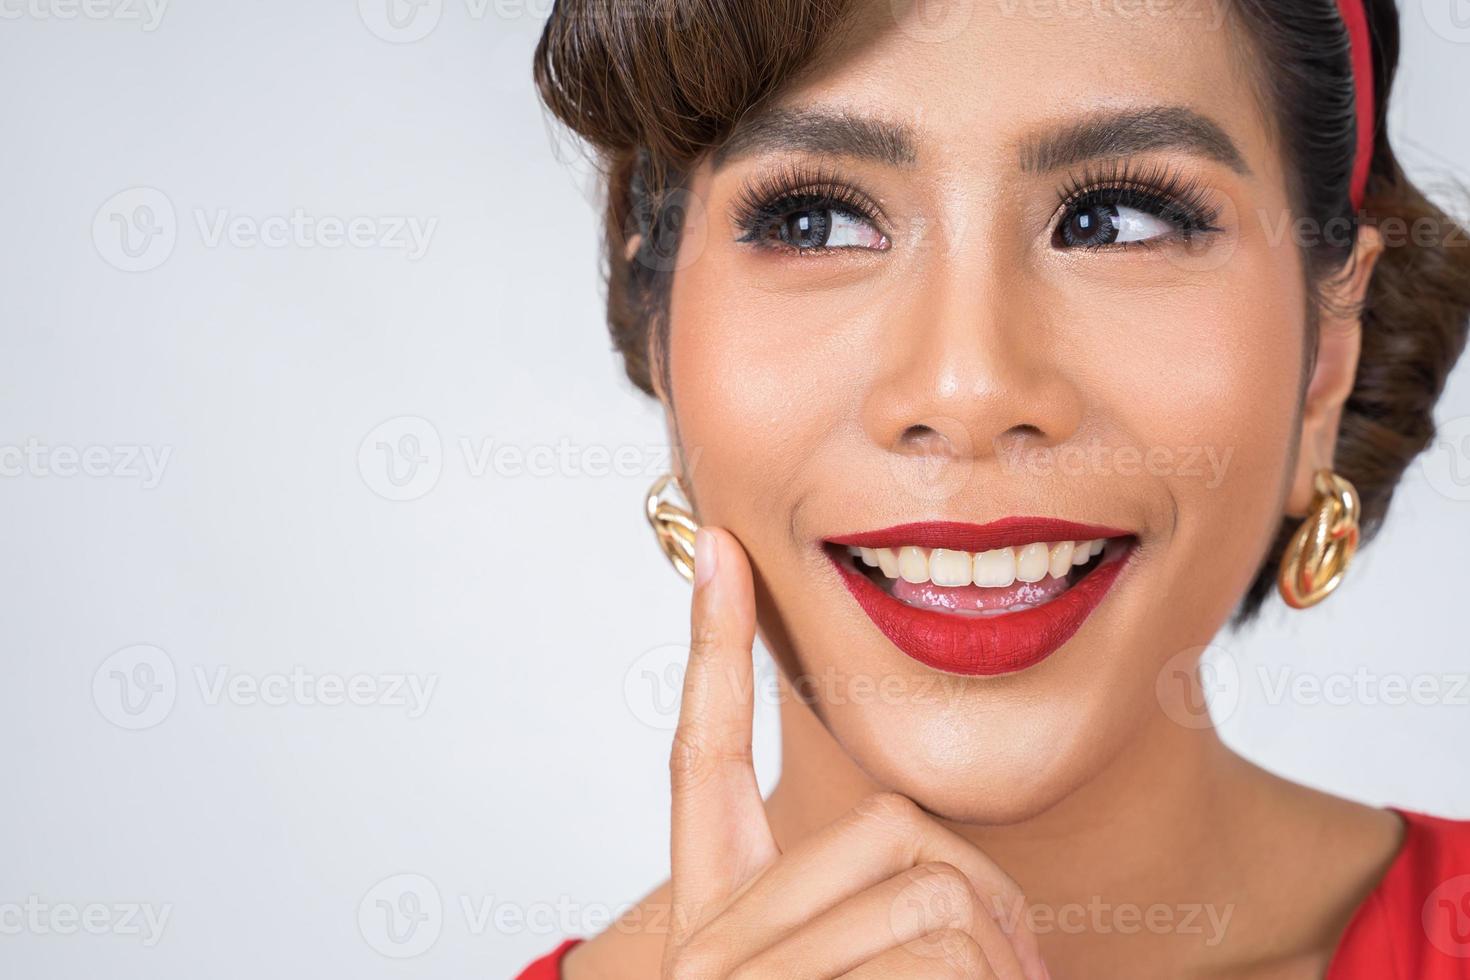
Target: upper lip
{"points": [[962, 536]]}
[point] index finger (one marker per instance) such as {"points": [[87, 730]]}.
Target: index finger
{"points": [[720, 835]]}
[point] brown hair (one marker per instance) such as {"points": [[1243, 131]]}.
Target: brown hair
{"points": [[654, 85]]}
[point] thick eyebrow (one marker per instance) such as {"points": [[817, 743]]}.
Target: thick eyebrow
{"points": [[1131, 131], [819, 131]]}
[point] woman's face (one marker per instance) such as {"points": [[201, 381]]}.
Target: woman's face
{"points": [[1036, 264]]}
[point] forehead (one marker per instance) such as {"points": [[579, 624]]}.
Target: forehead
{"points": [[972, 76]]}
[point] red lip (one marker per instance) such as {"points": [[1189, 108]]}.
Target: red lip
{"points": [[988, 645]]}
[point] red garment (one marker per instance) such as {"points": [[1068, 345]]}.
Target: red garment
{"points": [[548, 967], [1414, 926]]}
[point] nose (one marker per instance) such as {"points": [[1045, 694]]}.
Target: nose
{"points": [[972, 367]]}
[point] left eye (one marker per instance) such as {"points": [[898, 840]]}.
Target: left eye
{"points": [[1096, 225], [814, 228]]}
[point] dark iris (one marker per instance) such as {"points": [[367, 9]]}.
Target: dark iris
{"points": [[806, 229], [1091, 226]]}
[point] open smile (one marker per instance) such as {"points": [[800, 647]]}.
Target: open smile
{"points": [[981, 599]]}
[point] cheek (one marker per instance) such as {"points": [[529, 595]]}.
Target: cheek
{"points": [[1220, 411], [762, 387]]}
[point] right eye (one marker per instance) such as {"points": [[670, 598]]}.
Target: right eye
{"points": [[811, 228], [804, 211]]}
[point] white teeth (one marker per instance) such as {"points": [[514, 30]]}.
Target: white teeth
{"points": [[949, 568], [995, 568], [913, 565], [1061, 558], [1032, 562]]}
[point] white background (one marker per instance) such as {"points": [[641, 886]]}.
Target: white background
{"points": [[526, 588]]}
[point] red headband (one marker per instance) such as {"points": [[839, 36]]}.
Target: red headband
{"points": [[1355, 16]]}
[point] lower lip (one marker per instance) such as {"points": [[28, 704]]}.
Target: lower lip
{"points": [[989, 645]]}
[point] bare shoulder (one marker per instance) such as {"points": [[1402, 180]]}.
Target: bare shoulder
{"points": [[1329, 856], [631, 948], [1363, 839]]}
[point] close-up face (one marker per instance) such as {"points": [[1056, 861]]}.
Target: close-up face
{"points": [[1025, 286]]}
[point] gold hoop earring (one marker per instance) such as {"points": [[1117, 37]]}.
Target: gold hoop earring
{"points": [[1319, 551], [674, 525]]}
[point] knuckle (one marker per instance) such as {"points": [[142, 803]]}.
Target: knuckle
{"points": [[704, 637], [946, 893], [694, 757], [688, 758]]}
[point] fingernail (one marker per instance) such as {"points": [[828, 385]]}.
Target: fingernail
{"points": [[706, 557]]}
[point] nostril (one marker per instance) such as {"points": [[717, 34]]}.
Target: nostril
{"points": [[915, 432], [1023, 431], [924, 440], [1017, 438]]}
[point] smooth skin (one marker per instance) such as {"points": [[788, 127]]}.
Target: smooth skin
{"points": [[823, 394]]}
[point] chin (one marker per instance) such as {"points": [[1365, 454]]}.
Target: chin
{"points": [[993, 751]]}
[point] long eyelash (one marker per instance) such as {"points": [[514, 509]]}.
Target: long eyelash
{"points": [[793, 187], [1156, 189]]}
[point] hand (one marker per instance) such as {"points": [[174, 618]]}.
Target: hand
{"points": [[884, 891]]}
